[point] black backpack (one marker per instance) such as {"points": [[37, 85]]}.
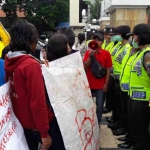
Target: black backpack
{"points": [[97, 69]]}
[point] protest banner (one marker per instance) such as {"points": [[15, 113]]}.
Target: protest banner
{"points": [[11, 132], [71, 99]]}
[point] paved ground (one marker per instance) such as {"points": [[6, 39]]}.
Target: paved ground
{"points": [[107, 140]]}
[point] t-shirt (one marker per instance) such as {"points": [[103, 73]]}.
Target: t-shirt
{"points": [[104, 58]]}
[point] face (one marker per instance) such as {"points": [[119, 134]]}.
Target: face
{"points": [[99, 42], [43, 51], [106, 36], [135, 37]]}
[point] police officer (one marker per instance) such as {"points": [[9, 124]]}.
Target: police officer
{"points": [[119, 56], [108, 44], [140, 89]]}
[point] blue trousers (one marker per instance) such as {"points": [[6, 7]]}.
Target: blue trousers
{"points": [[100, 98]]}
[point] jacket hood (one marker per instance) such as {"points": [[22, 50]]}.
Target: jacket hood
{"points": [[13, 59]]}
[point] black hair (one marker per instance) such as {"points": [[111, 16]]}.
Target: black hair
{"points": [[57, 47], [143, 39], [23, 34], [81, 37], [68, 32], [123, 30]]}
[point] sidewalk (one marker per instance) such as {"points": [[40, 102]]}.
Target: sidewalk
{"points": [[107, 140]]}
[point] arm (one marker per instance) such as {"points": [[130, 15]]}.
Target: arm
{"points": [[108, 67], [35, 86], [146, 63]]}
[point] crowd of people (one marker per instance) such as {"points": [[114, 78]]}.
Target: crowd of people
{"points": [[123, 86]]}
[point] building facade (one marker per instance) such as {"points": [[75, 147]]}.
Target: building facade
{"points": [[123, 12]]}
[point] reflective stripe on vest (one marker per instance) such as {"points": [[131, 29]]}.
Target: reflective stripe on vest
{"points": [[139, 80], [126, 71], [118, 59]]}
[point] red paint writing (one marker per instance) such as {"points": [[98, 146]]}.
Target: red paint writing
{"points": [[78, 74], [86, 124], [87, 89], [5, 119], [7, 136], [4, 100]]}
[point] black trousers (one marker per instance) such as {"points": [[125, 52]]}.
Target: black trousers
{"points": [[33, 137], [140, 125], [124, 108], [116, 104], [110, 94]]}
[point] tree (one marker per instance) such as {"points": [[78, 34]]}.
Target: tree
{"points": [[42, 13], [94, 9]]}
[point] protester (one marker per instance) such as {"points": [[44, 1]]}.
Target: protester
{"points": [[81, 44], [2, 72], [27, 90], [98, 86], [68, 32], [57, 47]]}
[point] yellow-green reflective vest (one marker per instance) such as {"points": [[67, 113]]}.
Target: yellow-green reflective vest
{"points": [[114, 50], [108, 47], [1, 48], [118, 59], [139, 79], [126, 71]]}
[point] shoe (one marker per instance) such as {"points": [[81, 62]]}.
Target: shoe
{"points": [[115, 125], [122, 138], [106, 110], [120, 131], [125, 145], [111, 120]]}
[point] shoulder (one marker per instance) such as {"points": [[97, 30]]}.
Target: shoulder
{"points": [[105, 52]]}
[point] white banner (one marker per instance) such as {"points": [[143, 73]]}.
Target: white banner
{"points": [[71, 99], [11, 132]]}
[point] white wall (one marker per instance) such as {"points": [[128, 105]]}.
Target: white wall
{"points": [[74, 13], [110, 5]]}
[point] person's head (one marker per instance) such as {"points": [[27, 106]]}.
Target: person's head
{"points": [[68, 32], [57, 47], [106, 35], [99, 38], [141, 35], [81, 37], [24, 36], [112, 34], [121, 32]]}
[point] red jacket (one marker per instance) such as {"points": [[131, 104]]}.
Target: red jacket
{"points": [[27, 92]]}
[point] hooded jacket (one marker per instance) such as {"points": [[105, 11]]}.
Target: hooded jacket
{"points": [[27, 92]]}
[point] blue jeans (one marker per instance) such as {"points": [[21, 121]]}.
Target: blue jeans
{"points": [[100, 98]]}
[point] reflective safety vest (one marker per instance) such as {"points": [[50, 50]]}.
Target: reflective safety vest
{"points": [[1, 48], [139, 80], [114, 50], [108, 47], [118, 59], [126, 71]]}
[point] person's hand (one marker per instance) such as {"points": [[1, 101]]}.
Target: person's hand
{"points": [[46, 143], [46, 62], [92, 52], [105, 88]]}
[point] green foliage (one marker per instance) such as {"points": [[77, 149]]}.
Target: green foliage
{"points": [[94, 9], [45, 13]]}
